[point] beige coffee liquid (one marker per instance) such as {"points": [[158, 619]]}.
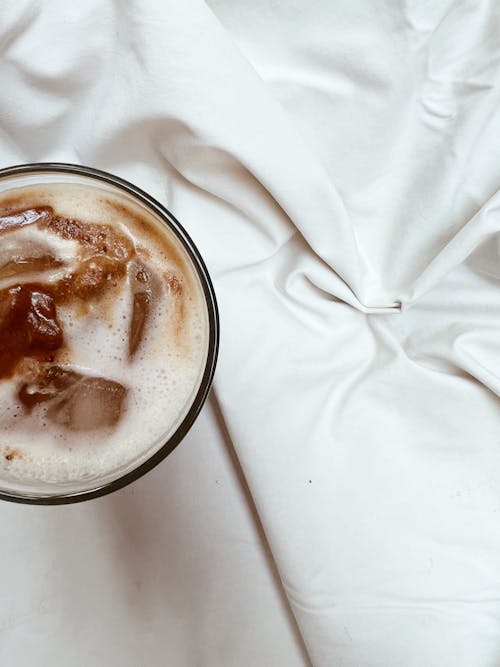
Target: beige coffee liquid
{"points": [[103, 333]]}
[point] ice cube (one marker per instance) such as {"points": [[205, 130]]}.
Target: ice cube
{"points": [[20, 265], [144, 285], [28, 326], [48, 383], [100, 238], [42, 329], [91, 403], [140, 312], [23, 218], [93, 275], [76, 401]]}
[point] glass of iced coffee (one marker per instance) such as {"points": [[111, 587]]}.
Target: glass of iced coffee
{"points": [[108, 333]]}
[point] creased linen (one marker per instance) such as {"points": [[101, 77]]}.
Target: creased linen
{"points": [[337, 164]]}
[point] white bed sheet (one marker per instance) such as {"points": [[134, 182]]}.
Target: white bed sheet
{"points": [[336, 162], [173, 570]]}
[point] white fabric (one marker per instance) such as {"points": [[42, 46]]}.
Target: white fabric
{"points": [[171, 571], [337, 164]]}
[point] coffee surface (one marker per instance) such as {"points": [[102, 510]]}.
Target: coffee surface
{"points": [[103, 332]]}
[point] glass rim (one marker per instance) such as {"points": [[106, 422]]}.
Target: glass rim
{"points": [[213, 333]]}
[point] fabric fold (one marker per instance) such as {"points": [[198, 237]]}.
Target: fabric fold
{"points": [[335, 163]]}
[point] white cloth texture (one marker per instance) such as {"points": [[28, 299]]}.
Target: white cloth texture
{"points": [[171, 571], [336, 163]]}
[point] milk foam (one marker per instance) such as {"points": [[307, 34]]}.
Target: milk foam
{"points": [[162, 378]]}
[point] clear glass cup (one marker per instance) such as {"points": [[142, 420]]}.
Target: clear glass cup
{"points": [[52, 493]]}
